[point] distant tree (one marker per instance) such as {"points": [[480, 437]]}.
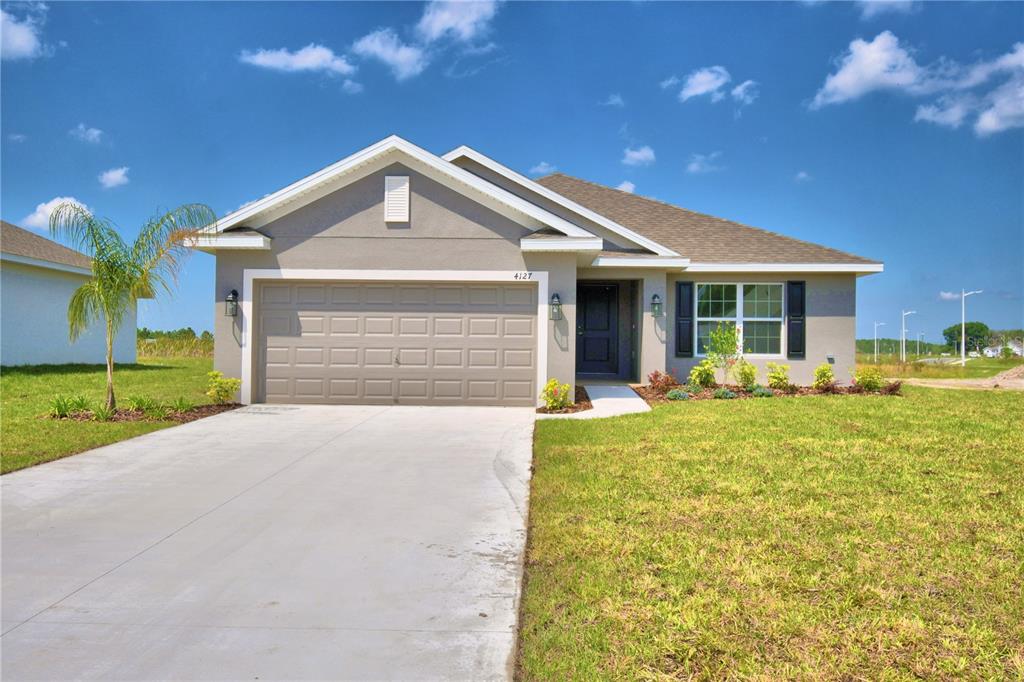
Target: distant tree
{"points": [[206, 336], [977, 335]]}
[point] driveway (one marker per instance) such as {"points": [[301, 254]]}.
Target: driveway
{"points": [[313, 542]]}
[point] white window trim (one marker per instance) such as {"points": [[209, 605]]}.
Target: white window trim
{"points": [[739, 320], [251, 276]]}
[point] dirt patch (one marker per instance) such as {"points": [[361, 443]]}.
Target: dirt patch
{"points": [[1011, 379], [582, 404], [181, 417]]}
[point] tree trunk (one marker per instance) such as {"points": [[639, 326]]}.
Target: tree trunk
{"points": [[111, 402]]}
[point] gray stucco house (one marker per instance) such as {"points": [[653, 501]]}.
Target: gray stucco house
{"points": [[37, 278], [395, 275]]}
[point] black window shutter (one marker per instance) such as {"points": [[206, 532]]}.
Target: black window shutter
{"points": [[684, 319], [796, 323]]}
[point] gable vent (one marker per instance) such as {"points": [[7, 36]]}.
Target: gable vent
{"points": [[396, 198]]}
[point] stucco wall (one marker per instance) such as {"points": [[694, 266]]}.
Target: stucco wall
{"points": [[346, 230], [34, 324], [831, 318]]}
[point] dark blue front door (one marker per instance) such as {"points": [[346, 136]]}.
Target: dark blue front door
{"points": [[597, 328]]}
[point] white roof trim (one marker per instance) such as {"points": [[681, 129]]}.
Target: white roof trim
{"points": [[562, 244], [216, 242], [642, 262], [604, 222], [785, 267], [450, 171], [48, 264]]}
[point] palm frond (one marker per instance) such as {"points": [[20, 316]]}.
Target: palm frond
{"points": [[163, 245], [84, 308], [96, 237]]}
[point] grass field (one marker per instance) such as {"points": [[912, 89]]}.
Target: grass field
{"points": [[832, 537], [25, 393], [977, 368]]}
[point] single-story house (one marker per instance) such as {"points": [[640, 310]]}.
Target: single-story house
{"points": [[399, 276], [996, 350], [37, 278]]}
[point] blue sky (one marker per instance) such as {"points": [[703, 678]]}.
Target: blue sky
{"points": [[892, 130]]}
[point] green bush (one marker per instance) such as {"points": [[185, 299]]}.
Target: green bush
{"points": [[868, 378], [222, 389], [703, 374], [60, 406], [824, 377], [762, 392], [181, 404], [778, 376], [102, 413], [746, 373], [723, 394], [677, 394], [556, 396], [137, 403]]}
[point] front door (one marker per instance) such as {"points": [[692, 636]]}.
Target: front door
{"points": [[597, 328]]}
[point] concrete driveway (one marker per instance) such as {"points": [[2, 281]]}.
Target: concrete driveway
{"points": [[272, 542]]}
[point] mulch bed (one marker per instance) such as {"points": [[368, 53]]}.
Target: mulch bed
{"points": [[656, 397], [120, 415], [582, 403]]}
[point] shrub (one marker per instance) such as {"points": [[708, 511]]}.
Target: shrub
{"points": [[181, 404], [102, 413], [556, 396], [1006, 353], [723, 394], [778, 376], [723, 348], [703, 374], [79, 403], [222, 389], [868, 378], [138, 403], [661, 382], [746, 373], [60, 406], [762, 392], [824, 377], [893, 388], [677, 394]]}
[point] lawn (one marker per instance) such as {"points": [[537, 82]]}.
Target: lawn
{"points": [[977, 368], [25, 393], [826, 537]]}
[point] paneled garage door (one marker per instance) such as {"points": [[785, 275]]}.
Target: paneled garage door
{"points": [[407, 343]]}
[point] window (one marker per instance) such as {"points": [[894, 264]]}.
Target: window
{"points": [[755, 308]]}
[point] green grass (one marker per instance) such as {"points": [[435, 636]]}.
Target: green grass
{"points": [[977, 368], [826, 537], [25, 393]]}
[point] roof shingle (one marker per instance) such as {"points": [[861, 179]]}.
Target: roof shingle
{"points": [[20, 242], [697, 236]]}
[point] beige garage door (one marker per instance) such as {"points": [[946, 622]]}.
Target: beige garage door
{"points": [[407, 343]]}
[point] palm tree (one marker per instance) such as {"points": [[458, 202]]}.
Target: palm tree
{"points": [[123, 273]]}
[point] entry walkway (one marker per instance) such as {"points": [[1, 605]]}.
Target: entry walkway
{"points": [[609, 401]]}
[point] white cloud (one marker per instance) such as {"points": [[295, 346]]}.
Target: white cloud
{"points": [[626, 186], [86, 134], [802, 176], [405, 61], [885, 64], [707, 81], [641, 156], [542, 168], [869, 9], [115, 177], [703, 163], [312, 57], [745, 93], [39, 219], [669, 82], [17, 137], [614, 100], [461, 21], [949, 296], [22, 38]]}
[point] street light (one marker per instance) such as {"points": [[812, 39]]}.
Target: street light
{"points": [[903, 334], [919, 335], [963, 324], [877, 325]]}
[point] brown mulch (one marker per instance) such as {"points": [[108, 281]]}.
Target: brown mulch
{"points": [[121, 415], [582, 403], [656, 397]]}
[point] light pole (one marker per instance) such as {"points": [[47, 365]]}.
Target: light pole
{"points": [[903, 334], [919, 335], [877, 325], [963, 324]]}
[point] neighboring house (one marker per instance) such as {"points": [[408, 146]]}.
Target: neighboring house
{"points": [[37, 278], [395, 275], [1016, 347]]}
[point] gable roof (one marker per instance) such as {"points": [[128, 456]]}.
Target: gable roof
{"points": [[33, 249], [704, 239], [364, 161]]}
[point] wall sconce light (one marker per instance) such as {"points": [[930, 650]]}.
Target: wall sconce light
{"points": [[555, 308], [231, 304], [656, 305]]}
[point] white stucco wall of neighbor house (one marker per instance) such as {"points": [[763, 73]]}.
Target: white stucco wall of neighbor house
{"points": [[34, 323]]}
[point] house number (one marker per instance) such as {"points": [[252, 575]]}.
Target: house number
{"points": [[523, 275]]}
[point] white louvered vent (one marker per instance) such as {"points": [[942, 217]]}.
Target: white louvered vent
{"points": [[396, 198]]}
